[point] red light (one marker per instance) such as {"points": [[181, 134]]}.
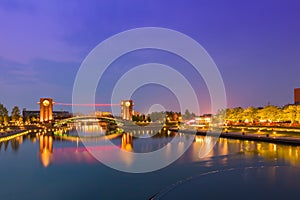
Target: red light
{"points": [[87, 104]]}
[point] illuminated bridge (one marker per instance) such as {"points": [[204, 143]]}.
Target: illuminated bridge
{"points": [[92, 124], [46, 113], [87, 120]]}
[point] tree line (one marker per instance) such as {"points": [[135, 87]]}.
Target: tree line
{"points": [[5, 118], [269, 113], [164, 116]]}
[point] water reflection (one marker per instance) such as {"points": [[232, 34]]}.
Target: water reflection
{"points": [[127, 143], [225, 147], [90, 129], [14, 144], [53, 149], [46, 149]]}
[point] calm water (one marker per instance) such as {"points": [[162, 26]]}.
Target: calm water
{"points": [[47, 167]]}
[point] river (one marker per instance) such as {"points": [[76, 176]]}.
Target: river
{"points": [[45, 167]]}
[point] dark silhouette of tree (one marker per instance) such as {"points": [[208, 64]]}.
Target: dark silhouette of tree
{"points": [[148, 118], [188, 115], [15, 113], [157, 116], [3, 114]]}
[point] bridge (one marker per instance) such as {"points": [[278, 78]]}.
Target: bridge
{"points": [[92, 126], [46, 109], [88, 120], [95, 123]]}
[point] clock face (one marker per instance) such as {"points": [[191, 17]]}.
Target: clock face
{"points": [[127, 104], [46, 103]]}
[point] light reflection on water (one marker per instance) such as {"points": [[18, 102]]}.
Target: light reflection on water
{"points": [[30, 160], [227, 147], [223, 148]]}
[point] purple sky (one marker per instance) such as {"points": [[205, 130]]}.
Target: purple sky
{"points": [[255, 44]]}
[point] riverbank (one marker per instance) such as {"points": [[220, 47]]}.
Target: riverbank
{"points": [[12, 135], [258, 135], [281, 135], [11, 132]]}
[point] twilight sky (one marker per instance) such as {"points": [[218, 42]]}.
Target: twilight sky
{"points": [[255, 44]]}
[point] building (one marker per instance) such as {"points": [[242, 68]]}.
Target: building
{"points": [[46, 109], [102, 114], [46, 112], [30, 113], [61, 114], [297, 95], [36, 114], [127, 109], [204, 119]]}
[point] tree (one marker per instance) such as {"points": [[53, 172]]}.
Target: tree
{"points": [[234, 114], [148, 118], [139, 118], [250, 114], [3, 110], [3, 114], [15, 114], [188, 115], [289, 113], [270, 113], [21, 120], [220, 116], [298, 113], [6, 120], [33, 119], [157, 116]]}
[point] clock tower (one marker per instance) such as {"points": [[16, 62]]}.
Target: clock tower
{"points": [[46, 109], [127, 109]]}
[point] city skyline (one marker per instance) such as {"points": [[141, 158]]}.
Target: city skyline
{"points": [[254, 45]]}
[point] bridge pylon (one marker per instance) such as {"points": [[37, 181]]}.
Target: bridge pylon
{"points": [[46, 109]]}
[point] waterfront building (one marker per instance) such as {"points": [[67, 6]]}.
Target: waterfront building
{"points": [[204, 119], [30, 113], [36, 113], [297, 96]]}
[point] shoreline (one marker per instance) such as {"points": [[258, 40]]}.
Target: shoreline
{"points": [[12, 135], [262, 138], [248, 136], [266, 137]]}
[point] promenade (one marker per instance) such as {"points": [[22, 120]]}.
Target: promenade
{"points": [[273, 138], [10, 133], [5, 136], [281, 135]]}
